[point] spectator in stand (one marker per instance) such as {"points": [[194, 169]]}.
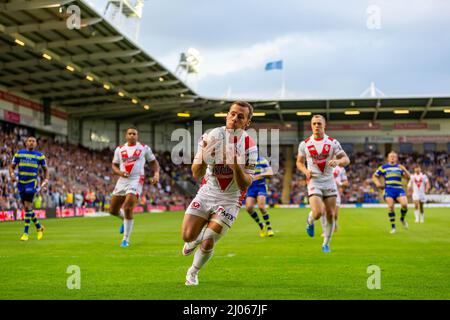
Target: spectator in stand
{"points": [[78, 198], [89, 198], [69, 199]]}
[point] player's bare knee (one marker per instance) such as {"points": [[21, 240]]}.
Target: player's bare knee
{"points": [[113, 211], [208, 244], [188, 235], [127, 207], [316, 213]]}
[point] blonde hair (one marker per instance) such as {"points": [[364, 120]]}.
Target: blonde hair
{"points": [[319, 116]]}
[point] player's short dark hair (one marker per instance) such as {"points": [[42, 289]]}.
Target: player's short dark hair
{"points": [[245, 105], [31, 137], [133, 128]]}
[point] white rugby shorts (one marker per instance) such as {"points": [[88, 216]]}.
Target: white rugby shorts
{"points": [[205, 206], [132, 185]]}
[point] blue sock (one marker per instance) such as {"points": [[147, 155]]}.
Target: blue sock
{"points": [[266, 218], [27, 221], [403, 213], [255, 217], [392, 219]]}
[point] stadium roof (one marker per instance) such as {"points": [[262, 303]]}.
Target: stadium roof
{"points": [[98, 72]]}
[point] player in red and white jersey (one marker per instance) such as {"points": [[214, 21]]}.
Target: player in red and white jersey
{"points": [[321, 154], [419, 184], [128, 163], [225, 162]]}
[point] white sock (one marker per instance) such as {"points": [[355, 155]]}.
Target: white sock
{"points": [[310, 218], [422, 216], [416, 214], [128, 227], [200, 259], [323, 220], [328, 232]]}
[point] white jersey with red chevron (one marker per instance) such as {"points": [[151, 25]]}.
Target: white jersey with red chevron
{"points": [[218, 182], [339, 175], [132, 158], [318, 152], [418, 183]]}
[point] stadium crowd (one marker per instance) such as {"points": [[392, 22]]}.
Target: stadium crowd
{"points": [[83, 177], [78, 176]]}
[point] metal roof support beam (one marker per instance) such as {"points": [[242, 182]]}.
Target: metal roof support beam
{"points": [[87, 100], [137, 76], [49, 85], [14, 49], [377, 108], [106, 108], [160, 92], [150, 85], [264, 104], [102, 55], [64, 93], [29, 76], [424, 113], [77, 42], [31, 5], [103, 109], [121, 66], [24, 63], [49, 25], [280, 114]]}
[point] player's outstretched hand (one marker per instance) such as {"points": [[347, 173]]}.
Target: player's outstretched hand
{"points": [[333, 163], [155, 178], [308, 175], [44, 185]]}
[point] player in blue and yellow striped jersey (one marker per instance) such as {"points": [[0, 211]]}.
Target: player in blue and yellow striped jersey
{"points": [[257, 192], [393, 187], [28, 161]]}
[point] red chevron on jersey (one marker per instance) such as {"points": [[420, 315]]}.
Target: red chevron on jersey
{"points": [[224, 176], [224, 182], [130, 162], [418, 183], [320, 159]]}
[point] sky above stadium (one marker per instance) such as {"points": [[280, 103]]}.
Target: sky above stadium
{"points": [[330, 49]]}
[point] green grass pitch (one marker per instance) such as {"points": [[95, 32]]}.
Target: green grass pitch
{"points": [[414, 263]]}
